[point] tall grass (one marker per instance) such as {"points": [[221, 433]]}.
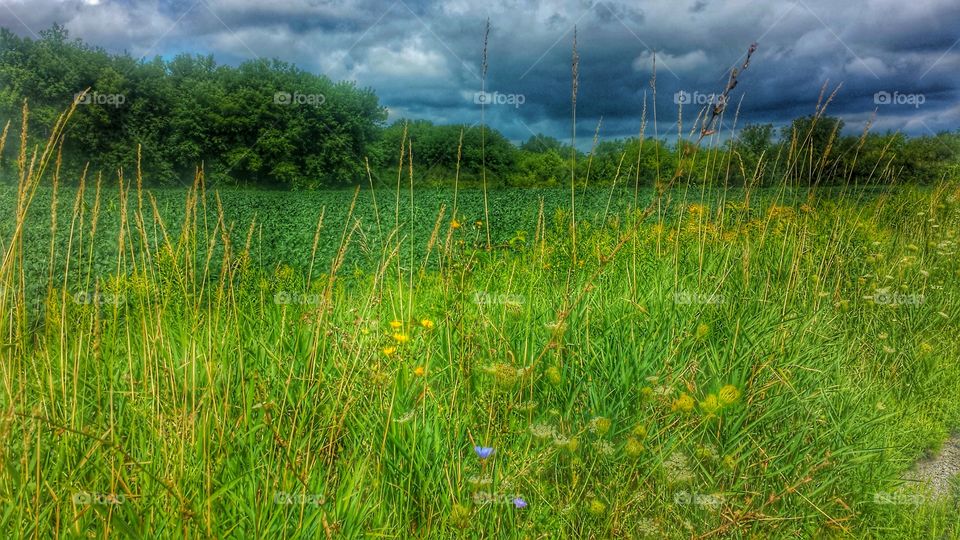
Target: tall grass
{"points": [[758, 363]]}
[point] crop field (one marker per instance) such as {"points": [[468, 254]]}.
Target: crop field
{"points": [[689, 362]]}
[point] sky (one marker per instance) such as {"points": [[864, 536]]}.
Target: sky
{"points": [[896, 62]]}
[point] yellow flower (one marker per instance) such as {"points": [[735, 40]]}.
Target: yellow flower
{"points": [[427, 323], [684, 403], [640, 431], [553, 375], [696, 210], [455, 224], [401, 338], [702, 330], [420, 371], [395, 324], [728, 395], [633, 448], [597, 508], [600, 425], [389, 351], [710, 404]]}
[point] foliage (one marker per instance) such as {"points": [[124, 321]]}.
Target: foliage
{"points": [[262, 122]]}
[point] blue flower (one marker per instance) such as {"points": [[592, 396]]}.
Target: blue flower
{"points": [[519, 502], [483, 452]]}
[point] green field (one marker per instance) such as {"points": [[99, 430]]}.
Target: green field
{"points": [[702, 363]]}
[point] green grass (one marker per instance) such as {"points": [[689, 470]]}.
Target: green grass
{"points": [[690, 362], [197, 400]]}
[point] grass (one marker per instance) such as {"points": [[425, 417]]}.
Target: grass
{"points": [[709, 363]]}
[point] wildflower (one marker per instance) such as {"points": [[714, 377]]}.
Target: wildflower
{"points": [[647, 528], [427, 323], [684, 403], [553, 375], [640, 431], [600, 425], [389, 351], [728, 395], [504, 374], [396, 325], [518, 502], [478, 224], [702, 330], [710, 405], [420, 371], [633, 448], [483, 452], [401, 338], [597, 508], [460, 516], [455, 224], [926, 347], [604, 448], [677, 469], [707, 452]]}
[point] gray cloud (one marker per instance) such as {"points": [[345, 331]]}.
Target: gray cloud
{"points": [[423, 58]]}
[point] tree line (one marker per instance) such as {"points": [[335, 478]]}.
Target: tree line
{"points": [[267, 123]]}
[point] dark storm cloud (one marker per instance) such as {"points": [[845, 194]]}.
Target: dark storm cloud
{"points": [[423, 58]]}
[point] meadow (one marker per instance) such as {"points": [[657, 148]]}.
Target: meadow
{"points": [[678, 360]]}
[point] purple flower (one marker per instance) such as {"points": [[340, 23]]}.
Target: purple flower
{"points": [[519, 502], [483, 452]]}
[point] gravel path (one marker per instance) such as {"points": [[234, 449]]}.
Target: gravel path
{"points": [[934, 473]]}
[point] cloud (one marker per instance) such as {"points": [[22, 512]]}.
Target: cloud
{"points": [[424, 58]]}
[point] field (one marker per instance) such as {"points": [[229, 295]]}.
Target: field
{"points": [[694, 363]]}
